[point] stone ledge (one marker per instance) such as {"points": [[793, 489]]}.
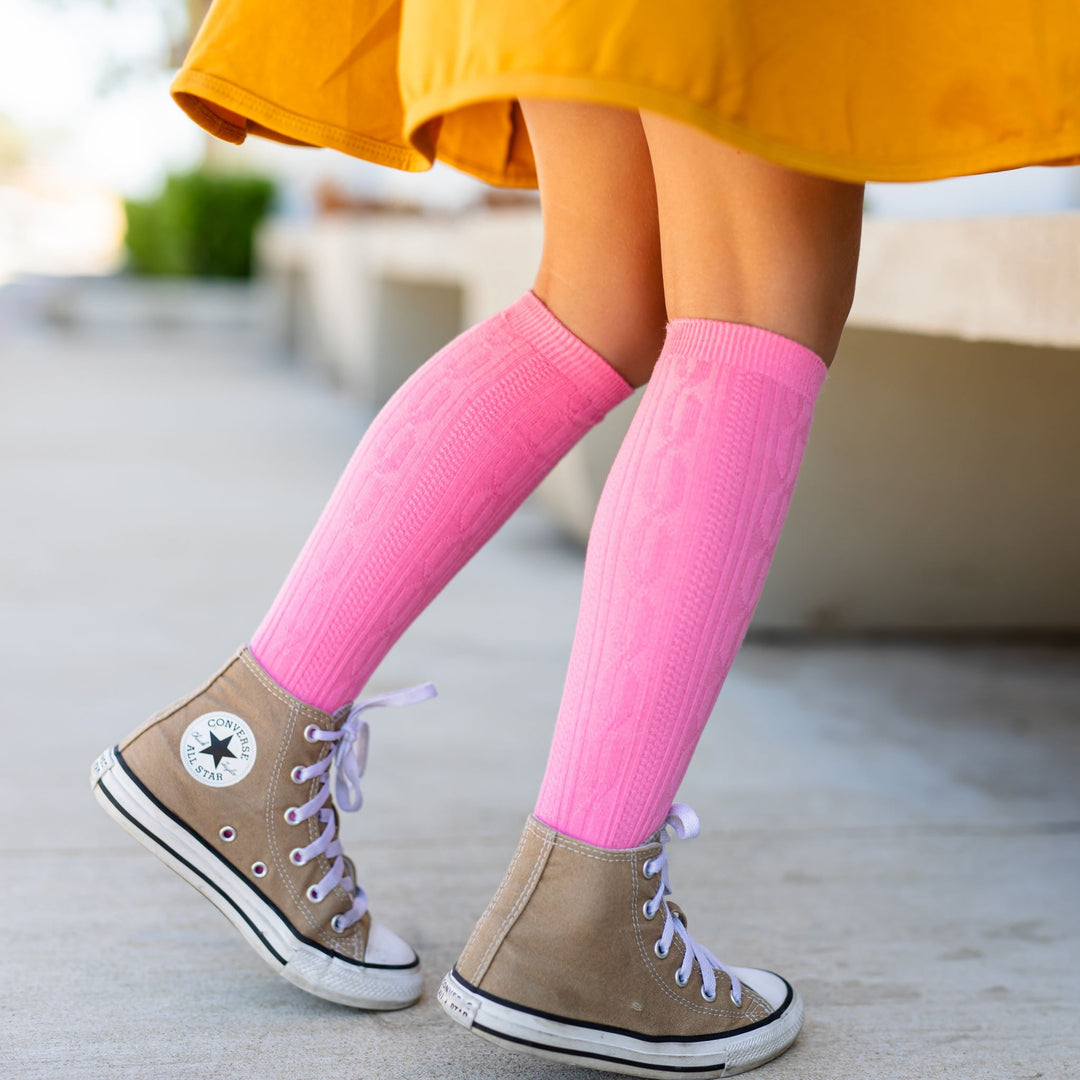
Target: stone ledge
{"points": [[1010, 279]]}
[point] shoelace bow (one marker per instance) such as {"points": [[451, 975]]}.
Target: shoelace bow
{"points": [[349, 759], [684, 823]]}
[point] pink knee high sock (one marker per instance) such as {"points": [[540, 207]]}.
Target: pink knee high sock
{"points": [[442, 466], [678, 554]]}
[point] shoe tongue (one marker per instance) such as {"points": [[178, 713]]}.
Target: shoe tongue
{"points": [[677, 911], [333, 721], [350, 866]]}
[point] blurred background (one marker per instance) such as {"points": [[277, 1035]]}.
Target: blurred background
{"points": [[116, 211], [86, 122], [194, 335]]}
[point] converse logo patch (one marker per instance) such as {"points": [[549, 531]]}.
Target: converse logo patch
{"points": [[218, 749]]}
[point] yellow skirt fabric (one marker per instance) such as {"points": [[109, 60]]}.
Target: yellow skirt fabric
{"points": [[850, 89]]}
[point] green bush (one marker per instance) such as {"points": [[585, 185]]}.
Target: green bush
{"points": [[202, 225]]}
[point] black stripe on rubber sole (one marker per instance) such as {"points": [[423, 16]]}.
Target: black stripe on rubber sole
{"points": [[194, 869]]}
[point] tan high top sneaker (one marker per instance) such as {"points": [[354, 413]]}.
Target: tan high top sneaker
{"points": [[230, 787], [581, 958]]}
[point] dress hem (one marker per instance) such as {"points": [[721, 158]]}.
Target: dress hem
{"points": [[1062, 151], [193, 90]]}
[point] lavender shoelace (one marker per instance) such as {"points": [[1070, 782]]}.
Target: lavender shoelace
{"points": [[349, 759], [684, 823]]}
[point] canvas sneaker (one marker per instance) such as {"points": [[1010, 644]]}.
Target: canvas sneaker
{"points": [[582, 958], [231, 788]]}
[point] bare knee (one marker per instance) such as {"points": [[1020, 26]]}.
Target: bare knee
{"points": [[749, 241], [625, 326], [600, 271]]}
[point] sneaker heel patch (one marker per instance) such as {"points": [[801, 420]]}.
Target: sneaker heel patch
{"points": [[105, 761], [458, 1005]]}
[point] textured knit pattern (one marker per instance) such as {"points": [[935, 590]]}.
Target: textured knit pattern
{"points": [[442, 466], [683, 537]]}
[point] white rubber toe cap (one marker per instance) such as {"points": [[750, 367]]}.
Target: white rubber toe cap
{"points": [[385, 947], [771, 987]]}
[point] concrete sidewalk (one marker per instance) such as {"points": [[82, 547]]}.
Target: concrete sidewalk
{"points": [[894, 827]]}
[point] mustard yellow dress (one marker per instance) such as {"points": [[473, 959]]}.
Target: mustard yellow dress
{"points": [[850, 89]]}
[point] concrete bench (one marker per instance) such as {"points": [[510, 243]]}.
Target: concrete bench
{"points": [[939, 490]]}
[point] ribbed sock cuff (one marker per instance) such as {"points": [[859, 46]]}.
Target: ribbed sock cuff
{"points": [[751, 348], [532, 320]]}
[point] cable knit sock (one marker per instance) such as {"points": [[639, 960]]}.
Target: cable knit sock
{"points": [[682, 541], [443, 465]]}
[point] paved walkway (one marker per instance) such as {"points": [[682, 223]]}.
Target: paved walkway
{"points": [[895, 827]]}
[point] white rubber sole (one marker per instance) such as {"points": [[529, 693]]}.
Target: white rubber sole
{"points": [[263, 927], [613, 1051]]}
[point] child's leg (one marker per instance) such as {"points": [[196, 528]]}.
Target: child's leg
{"points": [[232, 785], [580, 956], [466, 439], [759, 264]]}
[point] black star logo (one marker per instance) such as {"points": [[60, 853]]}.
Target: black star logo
{"points": [[218, 748]]}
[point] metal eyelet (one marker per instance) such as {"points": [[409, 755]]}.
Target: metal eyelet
{"points": [[311, 732], [335, 925], [295, 774], [313, 895], [660, 950], [227, 833], [648, 871], [646, 912], [736, 1001], [258, 869], [292, 815], [296, 856], [708, 997], [680, 979]]}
